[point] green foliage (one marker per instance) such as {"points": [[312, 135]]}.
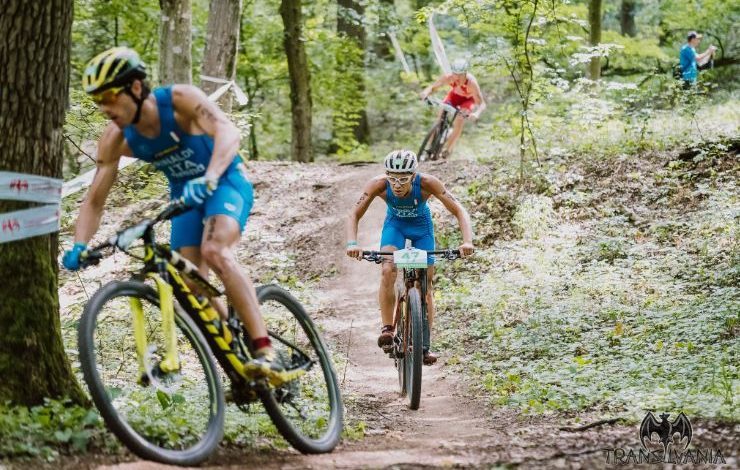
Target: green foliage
{"points": [[56, 427], [607, 309]]}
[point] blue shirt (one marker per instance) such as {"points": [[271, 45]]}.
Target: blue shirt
{"points": [[689, 70], [412, 208], [179, 155]]}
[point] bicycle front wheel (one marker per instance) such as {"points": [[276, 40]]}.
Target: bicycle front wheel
{"points": [[308, 410], [401, 339], [414, 351], [174, 417], [430, 146]]}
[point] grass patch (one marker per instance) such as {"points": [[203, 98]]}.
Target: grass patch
{"points": [[625, 299]]}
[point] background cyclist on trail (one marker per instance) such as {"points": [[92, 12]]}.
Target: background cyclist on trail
{"points": [[408, 217], [190, 139], [464, 93]]}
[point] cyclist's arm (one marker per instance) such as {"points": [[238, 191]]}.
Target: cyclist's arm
{"points": [[444, 79], [193, 104], [434, 186], [110, 148], [477, 98], [371, 190]]}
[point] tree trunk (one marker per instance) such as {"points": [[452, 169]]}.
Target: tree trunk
{"points": [[350, 15], [35, 41], [383, 46], [300, 80], [627, 18], [175, 42], [222, 44], [594, 20]]}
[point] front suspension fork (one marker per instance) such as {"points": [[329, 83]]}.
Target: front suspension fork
{"points": [[170, 361]]}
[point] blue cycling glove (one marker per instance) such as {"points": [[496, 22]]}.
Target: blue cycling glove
{"points": [[71, 258], [196, 191]]}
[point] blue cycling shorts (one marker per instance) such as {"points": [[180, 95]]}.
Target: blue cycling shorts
{"points": [[233, 197], [420, 232]]}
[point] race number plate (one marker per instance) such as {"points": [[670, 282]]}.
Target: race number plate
{"points": [[410, 258]]}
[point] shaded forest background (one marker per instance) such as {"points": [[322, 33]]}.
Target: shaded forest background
{"points": [[534, 60]]}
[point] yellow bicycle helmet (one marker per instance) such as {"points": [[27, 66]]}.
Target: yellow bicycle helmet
{"points": [[116, 67]]}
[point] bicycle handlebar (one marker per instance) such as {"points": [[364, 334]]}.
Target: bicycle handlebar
{"points": [[431, 101], [377, 256], [124, 238]]}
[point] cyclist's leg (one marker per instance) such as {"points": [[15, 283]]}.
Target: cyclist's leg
{"points": [[226, 213], [391, 239], [457, 127], [186, 236], [192, 253]]}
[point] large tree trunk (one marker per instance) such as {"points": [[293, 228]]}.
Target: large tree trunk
{"points": [[175, 42], [350, 14], [594, 20], [35, 40], [300, 80], [222, 43], [627, 18]]}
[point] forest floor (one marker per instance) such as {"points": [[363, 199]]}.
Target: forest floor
{"points": [[295, 236]]}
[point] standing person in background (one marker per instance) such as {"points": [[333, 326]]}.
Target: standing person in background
{"points": [[691, 60]]}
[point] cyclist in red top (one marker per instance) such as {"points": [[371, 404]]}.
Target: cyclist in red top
{"points": [[464, 94]]}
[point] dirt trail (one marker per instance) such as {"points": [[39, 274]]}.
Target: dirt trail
{"points": [[451, 428]]}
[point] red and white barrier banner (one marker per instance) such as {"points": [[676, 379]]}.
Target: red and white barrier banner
{"points": [[35, 221], [439, 50], [23, 187], [28, 223]]}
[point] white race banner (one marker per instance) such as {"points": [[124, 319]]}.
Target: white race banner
{"points": [[439, 50], [28, 223], [33, 188], [399, 52], [241, 98]]}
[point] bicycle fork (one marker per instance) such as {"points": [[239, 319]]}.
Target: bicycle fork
{"points": [[170, 361]]}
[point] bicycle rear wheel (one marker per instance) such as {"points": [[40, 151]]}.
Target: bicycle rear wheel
{"points": [[414, 354], [174, 418], [307, 411]]}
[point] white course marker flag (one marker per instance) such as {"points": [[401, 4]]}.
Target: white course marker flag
{"points": [[27, 223], [437, 47], [84, 180], [241, 98], [399, 52]]}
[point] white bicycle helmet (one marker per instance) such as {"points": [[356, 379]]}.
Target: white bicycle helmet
{"points": [[401, 161], [460, 66]]}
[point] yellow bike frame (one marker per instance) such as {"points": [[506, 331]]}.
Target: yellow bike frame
{"points": [[171, 362]]}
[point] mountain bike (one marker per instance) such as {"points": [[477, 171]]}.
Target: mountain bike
{"points": [[431, 147], [147, 348], [410, 318]]}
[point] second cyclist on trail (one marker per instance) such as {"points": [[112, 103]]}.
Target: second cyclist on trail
{"points": [[406, 193], [464, 94]]}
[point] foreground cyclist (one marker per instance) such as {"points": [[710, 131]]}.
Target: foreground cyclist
{"points": [[464, 94], [190, 139], [408, 217]]}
